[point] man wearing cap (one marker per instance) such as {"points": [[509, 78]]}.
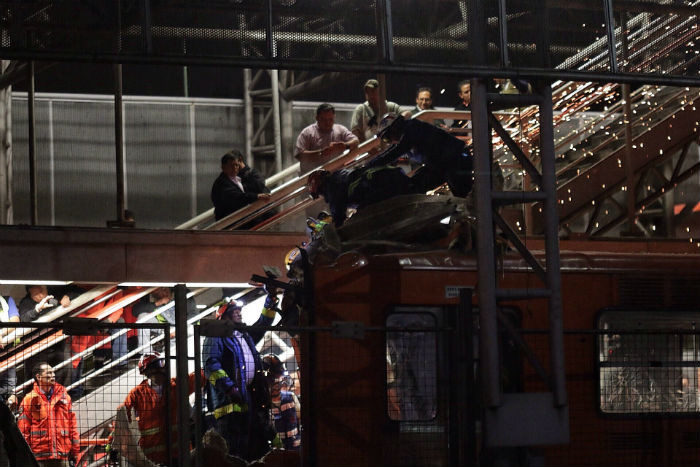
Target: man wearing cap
{"points": [[237, 390], [322, 141], [365, 118]]}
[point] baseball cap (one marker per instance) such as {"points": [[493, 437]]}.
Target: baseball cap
{"points": [[371, 83]]}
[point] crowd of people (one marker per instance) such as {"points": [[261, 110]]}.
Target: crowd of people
{"points": [[248, 398], [250, 404], [323, 140]]}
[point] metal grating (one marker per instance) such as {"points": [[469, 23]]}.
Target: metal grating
{"points": [[651, 37]]}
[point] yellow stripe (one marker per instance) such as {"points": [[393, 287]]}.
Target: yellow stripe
{"points": [[150, 431], [230, 408], [217, 375], [266, 312]]}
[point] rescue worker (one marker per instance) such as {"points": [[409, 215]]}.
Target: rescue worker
{"points": [[357, 188], [237, 391], [285, 404], [147, 400], [48, 422], [445, 157]]}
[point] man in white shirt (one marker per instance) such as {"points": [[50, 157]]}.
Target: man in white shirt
{"points": [[322, 141]]}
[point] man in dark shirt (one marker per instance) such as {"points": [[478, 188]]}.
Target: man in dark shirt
{"points": [[40, 300], [445, 157], [465, 99], [357, 188], [229, 193]]}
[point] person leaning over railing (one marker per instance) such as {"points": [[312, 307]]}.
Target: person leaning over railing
{"points": [[39, 301]]}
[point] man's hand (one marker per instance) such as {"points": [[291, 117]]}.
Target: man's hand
{"points": [[65, 301], [264, 196], [12, 402], [44, 303]]}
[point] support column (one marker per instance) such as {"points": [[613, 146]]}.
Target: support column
{"points": [[31, 143], [181, 362], [488, 341], [6, 205]]}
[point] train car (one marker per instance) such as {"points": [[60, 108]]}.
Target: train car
{"points": [[391, 376]]}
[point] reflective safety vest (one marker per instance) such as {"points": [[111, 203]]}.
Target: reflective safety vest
{"points": [[4, 310], [151, 410], [49, 426]]}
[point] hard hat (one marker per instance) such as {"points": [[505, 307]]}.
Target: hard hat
{"points": [[291, 256], [228, 306], [151, 361], [315, 182], [275, 370]]}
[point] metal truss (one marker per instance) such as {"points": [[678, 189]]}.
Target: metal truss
{"points": [[653, 183]]}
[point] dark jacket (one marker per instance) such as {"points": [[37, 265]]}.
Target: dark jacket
{"points": [[27, 311], [253, 181], [426, 144], [227, 197], [362, 187]]}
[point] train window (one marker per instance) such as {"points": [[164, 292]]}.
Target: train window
{"points": [[649, 362], [411, 362]]}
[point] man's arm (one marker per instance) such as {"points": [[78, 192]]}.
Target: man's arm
{"points": [[24, 422], [13, 315], [267, 316], [28, 309], [230, 198], [356, 123], [254, 182], [388, 156], [213, 369]]}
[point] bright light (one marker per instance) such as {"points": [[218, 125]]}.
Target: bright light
{"points": [[251, 311], [30, 282]]}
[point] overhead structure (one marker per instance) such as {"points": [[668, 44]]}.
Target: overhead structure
{"points": [[381, 36]]}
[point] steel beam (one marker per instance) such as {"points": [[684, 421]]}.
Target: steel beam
{"points": [[110, 255]]}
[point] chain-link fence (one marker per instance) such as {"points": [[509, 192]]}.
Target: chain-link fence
{"points": [[401, 393]]}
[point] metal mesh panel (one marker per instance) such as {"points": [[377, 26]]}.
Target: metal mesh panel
{"points": [[571, 36], [434, 32], [159, 162], [213, 28], [218, 129], [84, 162], [95, 374], [667, 42], [577, 38], [321, 31], [637, 387]]}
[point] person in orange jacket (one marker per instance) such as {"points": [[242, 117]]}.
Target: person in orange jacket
{"points": [[48, 422], [147, 400]]}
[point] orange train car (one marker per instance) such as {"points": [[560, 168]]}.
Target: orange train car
{"points": [[386, 384]]}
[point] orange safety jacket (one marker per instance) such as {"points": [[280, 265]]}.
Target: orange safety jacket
{"points": [[49, 426], [150, 408]]}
